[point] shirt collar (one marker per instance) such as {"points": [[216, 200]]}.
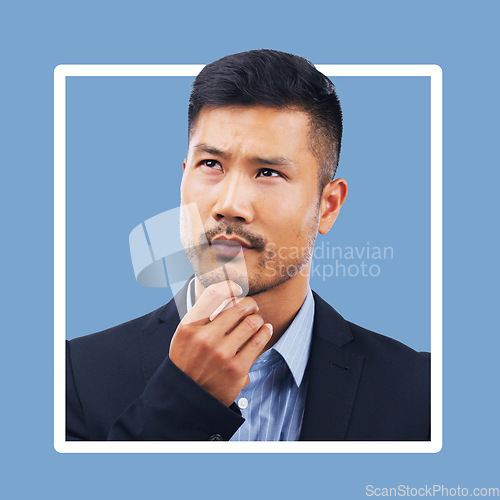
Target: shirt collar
{"points": [[190, 295], [294, 344]]}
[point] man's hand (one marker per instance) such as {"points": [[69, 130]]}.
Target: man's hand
{"points": [[218, 354]]}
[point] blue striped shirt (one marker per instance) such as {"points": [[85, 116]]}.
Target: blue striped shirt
{"points": [[274, 400]]}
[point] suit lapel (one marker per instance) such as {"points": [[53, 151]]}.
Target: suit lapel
{"points": [[333, 372], [158, 332]]}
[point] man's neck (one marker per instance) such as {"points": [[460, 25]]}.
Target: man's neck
{"points": [[278, 305]]}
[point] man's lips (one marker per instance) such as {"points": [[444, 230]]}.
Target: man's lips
{"points": [[223, 240], [229, 247]]}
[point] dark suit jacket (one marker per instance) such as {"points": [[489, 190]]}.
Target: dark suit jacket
{"points": [[121, 385]]}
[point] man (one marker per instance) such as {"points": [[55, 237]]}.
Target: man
{"points": [[252, 353]]}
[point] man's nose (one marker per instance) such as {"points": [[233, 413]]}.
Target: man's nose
{"points": [[234, 199]]}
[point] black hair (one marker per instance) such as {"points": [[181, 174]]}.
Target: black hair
{"points": [[278, 80]]}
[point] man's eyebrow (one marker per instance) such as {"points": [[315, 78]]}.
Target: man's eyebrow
{"points": [[211, 150], [280, 161]]}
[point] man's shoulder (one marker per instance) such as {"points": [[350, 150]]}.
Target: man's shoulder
{"points": [[118, 360], [378, 351], [387, 382], [131, 331], [117, 340], [368, 341], [125, 329]]}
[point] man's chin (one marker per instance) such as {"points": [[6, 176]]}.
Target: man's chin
{"points": [[251, 285], [223, 274]]}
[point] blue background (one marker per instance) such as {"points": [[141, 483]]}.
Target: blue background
{"points": [[126, 139], [461, 38]]}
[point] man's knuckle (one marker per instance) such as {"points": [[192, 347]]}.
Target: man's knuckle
{"points": [[250, 323], [237, 370], [204, 342], [185, 331], [251, 301], [259, 342], [214, 291], [248, 304], [254, 321], [221, 354], [233, 368], [188, 329], [239, 308]]}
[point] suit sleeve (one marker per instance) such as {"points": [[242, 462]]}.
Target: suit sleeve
{"points": [[172, 407], [175, 408]]}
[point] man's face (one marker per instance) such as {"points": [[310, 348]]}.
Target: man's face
{"points": [[254, 180]]}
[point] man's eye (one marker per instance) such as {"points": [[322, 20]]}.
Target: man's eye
{"points": [[212, 164], [268, 172]]}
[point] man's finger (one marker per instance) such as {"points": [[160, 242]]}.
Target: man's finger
{"points": [[234, 313], [221, 308], [255, 345], [211, 299], [242, 332]]}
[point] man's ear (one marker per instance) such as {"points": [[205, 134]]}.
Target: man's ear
{"points": [[332, 198], [184, 165]]}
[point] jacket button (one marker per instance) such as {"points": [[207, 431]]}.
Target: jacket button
{"points": [[215, 437]]}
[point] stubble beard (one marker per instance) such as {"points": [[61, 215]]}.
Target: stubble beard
{"points": [[271, 268]]}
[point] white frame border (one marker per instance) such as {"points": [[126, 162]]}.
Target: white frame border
{"points": [[334, 70]]}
